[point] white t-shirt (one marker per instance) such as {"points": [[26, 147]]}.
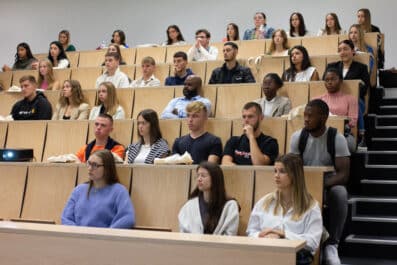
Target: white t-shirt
{"points": [[143, 153]]}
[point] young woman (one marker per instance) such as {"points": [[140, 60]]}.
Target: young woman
{"points": [[72, 104], [47, 79], [332, 26], [232, 33], [297, 26], [150, 145], [279, 45], [24, 59], [261, 30], [57, 56], [118, 37], [107, 102], [209, 210], [64, 39], [289, 212], [356, 35], [102, 201], [364, 20], [300, 69], [174, 36], [273, 105]]}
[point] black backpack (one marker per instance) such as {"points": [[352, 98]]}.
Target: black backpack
{"points": [[331, 134]]}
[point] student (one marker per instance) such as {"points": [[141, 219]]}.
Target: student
{"points": [[289, 212], [279, 45], [34, 105], [102, 201], [332, 26], [297, 27], [209, 209], [72, 104], [271, 104], [57, 56], [118, 37], [201, 145], [148, 79], [232, 33], [364, 19], [112, 72], [261, 30], [252, 147], [181, 72], [47, 79], [107, 102], [356, 35], [150, 145], [300, 69], [201, 50], [64, 39], [174, 36], [24, 59], [115, 48]]}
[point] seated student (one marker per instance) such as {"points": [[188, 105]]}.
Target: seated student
{"points": [[273, 105], [150, 145], [64, 39], [47, 79], [112, 72], [279, 44], [118, 37], [232, 33], [356, 35], [297, 27], [201, 50], [148, 79], [200, 144], [115, 48], [311, 143], [261, 30], [231, 71], [300, 69], [252, 147], [332, 26], [103, 127], [181, 72], [72, 104], [34, 105], [209, 209], [107, 102], [191, 93], [24, 59], [57, 56], [102, 201], [290, 211], [174, 36]]}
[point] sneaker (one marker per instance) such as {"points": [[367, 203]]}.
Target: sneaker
{"points": [[362, 146], [331, 255]]}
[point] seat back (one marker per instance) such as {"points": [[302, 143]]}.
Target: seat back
{"points": [[87, 76], [126, 100], [251, 48], [3, 133], [5, 79], [297, 92], [270, 65], [73, 58], [92, 58], [172, 49], [62, 74], [8, 99], [155, 98], [322, 45], [16, 75], [128, 55], [157, 53]]}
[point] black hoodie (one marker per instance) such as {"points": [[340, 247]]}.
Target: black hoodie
{"points": [[37, 109]]}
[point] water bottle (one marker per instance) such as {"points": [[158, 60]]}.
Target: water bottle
{"points": [[261, 32], [103, 45]]}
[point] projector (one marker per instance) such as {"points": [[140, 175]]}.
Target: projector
{"points": [[16, 155]]}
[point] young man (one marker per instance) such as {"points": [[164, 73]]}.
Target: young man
{"points": [[113, 73], [201, 50], [148, 79], [176, 108], [231, 71], [253, 147], [103, 128], [201, 145], [34, 105], [315, 152], [180, 70]]}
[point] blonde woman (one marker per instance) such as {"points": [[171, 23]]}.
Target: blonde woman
{"points": [[107, 102], [47, 79], [72, 104], [279, 45], [289, 212], [356, 35]]}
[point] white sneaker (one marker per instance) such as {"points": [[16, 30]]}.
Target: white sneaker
{"points": [[331, 255]]}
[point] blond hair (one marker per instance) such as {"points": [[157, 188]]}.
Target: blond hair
{"points": [[111, 102], [361, 43], [50, 77], [195, 107]]}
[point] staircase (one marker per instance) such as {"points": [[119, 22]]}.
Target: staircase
{"points": [[371, 226]]}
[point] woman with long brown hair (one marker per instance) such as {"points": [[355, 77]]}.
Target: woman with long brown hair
{"points": [[107, 102]]}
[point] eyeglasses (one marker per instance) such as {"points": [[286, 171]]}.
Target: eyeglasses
{"points": [[93, 165], [201, 37]]}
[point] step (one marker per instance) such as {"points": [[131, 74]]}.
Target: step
{"points": [[367, 239], [377, 206], [383, 143], [385, 132], [381, 157], [386, 120], [387, 110], [379, 187], [373, 225], [361, 245]]}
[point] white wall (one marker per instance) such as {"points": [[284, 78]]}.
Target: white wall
{"points": [[38, 22]]}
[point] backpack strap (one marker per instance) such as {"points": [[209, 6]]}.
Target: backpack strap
{"points": [[303, 141], [331, 134]]}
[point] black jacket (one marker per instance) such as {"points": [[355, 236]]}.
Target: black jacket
{"points": [[238, 74], [37, 109]]}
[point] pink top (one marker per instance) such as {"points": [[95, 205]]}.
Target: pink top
{"points": [[44, 85], [342, 105]]}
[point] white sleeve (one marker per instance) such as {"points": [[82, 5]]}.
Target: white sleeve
{"points": [[120, 114], [254, 223], [124, 83], [62, 64], [210, 55]]}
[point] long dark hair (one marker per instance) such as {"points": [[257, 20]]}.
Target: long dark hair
{"points": [[179, 37], [290, 73], [302, 28], [218, 196], [122, 36], [236, 30], [338, 28], [150, 116], [61, 55], [29, 54]]}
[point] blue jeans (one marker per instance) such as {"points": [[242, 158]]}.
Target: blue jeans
{"points": [[361, 110]]}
